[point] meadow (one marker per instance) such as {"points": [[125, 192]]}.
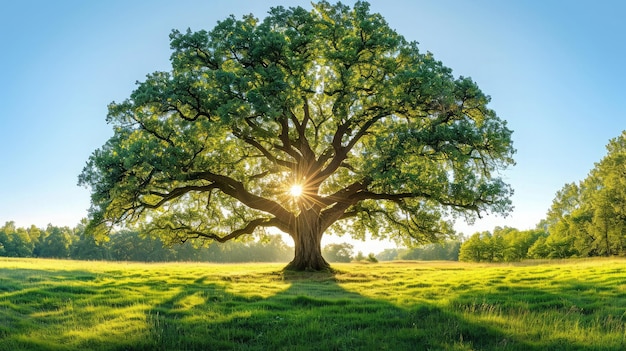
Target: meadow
{"points": [[76, 305]]}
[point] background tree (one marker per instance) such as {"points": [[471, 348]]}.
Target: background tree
{"points": [[132, 246], [589, 218], [36, 235], [5, 239], [567, 222], [15, 241], [607, 200], [474, 249], [359, 256], [85, 246], [22, 243], [56, 242], [271, 248], [518, 243], [307, 121], [338, 252], [506, 245], [447, 251], [390, 254], [539, 249]]}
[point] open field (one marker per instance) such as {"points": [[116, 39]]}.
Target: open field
{"points": [[73, 305]]}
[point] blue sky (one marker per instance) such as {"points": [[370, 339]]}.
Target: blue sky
{"points": [[554, 69]]}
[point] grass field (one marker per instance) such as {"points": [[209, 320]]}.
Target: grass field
{"points": [[73, 305]]}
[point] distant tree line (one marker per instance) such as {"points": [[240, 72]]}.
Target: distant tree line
{"points": [[74, 243], [344, 252], [444, 251], [502, 245]]}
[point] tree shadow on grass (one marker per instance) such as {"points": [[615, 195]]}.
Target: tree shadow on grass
{"points": [[571, 315], [43, 309], [76, 310], [313, 313]]}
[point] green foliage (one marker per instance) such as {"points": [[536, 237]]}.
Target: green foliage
{"points": [[503, 245], [382, 137], [338, 252], [372, 258], [589, 218], [78, 305], [474, 249], [445, 251], [518, 243], [85, 246], [15, 242], [57, 242], [389, 254]]}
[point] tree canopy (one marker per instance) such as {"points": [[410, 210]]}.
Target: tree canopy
{"points": [[380, 138]]}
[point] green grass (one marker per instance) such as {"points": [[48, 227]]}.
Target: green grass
{"points": [[73, 305]]}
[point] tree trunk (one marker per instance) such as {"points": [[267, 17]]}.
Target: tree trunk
{"points": [[308, 240], [606, 238]]}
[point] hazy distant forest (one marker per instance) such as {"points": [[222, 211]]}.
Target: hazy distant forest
{"points": [[74, 243]]}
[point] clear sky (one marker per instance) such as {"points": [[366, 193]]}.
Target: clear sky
{"points": [[554, 69]]}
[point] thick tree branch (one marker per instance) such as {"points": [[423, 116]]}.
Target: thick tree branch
{"points": [[190, 233], [366, 195], [154, 132], [342, 200], [302, 142], [345, 194], [286, 144], [341, 152], [236, 189], [174, 194], [257, 145], [365, 128], [355, 193]]}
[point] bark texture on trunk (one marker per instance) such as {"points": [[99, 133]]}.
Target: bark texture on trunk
{"points": [[308, 245]]}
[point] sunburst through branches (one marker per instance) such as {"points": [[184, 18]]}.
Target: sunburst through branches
{"points": [[295, 190]]}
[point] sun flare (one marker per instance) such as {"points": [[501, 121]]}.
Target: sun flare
{"points": [[295, 190]]}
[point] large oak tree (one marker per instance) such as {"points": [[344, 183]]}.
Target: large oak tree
{"points": [[307, 121]]}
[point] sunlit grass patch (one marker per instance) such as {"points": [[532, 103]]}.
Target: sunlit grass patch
{"points": [[69, 305]]}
